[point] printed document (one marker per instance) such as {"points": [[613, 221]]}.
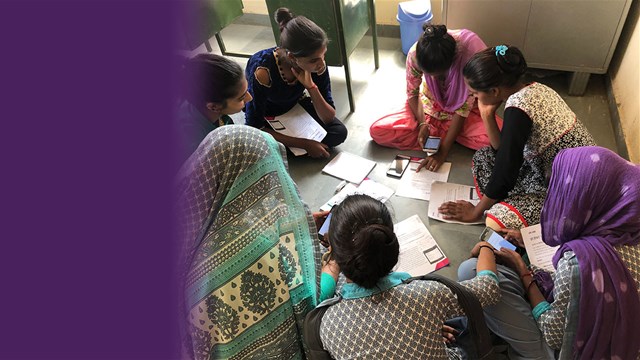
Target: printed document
{"points": [[540, 254], [441, 192], [417, 185], [419, 252], [298, 123], [367, 187], [352, 168]]}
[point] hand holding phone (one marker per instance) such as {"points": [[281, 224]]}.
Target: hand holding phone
{"points": [[323, 231], [398, 166], [497, 241], [431, 145]]}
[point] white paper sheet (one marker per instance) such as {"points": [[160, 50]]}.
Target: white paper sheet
{"points": [[442, 192], [540, 254], [298, 123], [417, 185], [352, 168], [419, 252], [367, 187]]}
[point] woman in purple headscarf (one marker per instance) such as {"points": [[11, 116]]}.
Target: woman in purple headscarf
{"points": [[438, 101], [592, 212]]}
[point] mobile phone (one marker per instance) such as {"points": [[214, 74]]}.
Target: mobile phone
{"points": [[398, 166], [497, 241], [325, 227], [431, 145]]}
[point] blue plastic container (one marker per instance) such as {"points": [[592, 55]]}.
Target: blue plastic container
{"points": [[411, 16]]}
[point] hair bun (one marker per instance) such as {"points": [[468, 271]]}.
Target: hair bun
{"points": [[434, 32], [283, 16], [512, 62], [377, 250]]}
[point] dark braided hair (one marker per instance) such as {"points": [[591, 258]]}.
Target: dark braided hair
{"points": [[489, 68], [362, 240], [436, 49], [299, 35]]}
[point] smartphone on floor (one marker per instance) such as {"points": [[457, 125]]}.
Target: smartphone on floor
{"points": [[398, 166]]}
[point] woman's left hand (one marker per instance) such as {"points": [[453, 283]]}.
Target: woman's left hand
{"points": [[459, 210], [513, 260], [304, 77], [488, 111]]}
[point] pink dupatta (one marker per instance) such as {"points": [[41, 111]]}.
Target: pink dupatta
{"points": [[456, 92]]}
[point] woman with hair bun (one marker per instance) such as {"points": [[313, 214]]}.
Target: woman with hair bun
{"points": [[438, 102], [510, 174], [278, 78], [378, 315]]}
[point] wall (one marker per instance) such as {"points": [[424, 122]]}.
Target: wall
{"points": [[625, 80], [255, 7], [386, 11]]}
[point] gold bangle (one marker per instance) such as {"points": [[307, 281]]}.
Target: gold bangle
{"points": [[422, 123]]}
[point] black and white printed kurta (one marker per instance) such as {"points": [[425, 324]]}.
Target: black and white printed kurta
{"points": [[403, 322]]}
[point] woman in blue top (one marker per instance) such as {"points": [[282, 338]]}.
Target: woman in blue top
{"points": [[279, 76]]}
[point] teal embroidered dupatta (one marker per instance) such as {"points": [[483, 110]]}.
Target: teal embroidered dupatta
{"points": [[250, 254]]}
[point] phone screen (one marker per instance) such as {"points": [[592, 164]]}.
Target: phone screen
{"points": [[325, 226], [432, 143], [497, 241], [398, 165]]}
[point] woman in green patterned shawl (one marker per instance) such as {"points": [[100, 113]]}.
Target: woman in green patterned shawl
{"points": [[250, 254]]}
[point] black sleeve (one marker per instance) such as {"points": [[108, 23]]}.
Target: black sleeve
{"points": [[514, 135]]}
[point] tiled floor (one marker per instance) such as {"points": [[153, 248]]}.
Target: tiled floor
{"points": [[378, 92]]}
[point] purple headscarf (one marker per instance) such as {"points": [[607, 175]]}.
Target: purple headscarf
{"points": [[592, 205], [456, 92]]}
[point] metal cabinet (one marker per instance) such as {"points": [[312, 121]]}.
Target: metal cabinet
{"points": [[200, 20], [570, 35]]}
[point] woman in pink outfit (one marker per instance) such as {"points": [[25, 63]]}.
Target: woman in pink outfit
{"points": [[438, 101]]}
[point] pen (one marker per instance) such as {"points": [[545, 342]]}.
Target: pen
{"points": [[341, 185]]}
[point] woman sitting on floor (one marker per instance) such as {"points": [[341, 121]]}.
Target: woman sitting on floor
{"points": [[592, 212], [510, 174], [279, 76], [377, 315], [438, 101], [250, 265], [215, 88]]}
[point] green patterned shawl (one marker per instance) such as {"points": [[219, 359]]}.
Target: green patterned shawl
{"points": [[250, 251]]}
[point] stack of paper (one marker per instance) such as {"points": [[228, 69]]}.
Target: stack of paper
{"points": [[367, 187], [442, 192], [419, 252], [352, 168], [298, 123]]}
